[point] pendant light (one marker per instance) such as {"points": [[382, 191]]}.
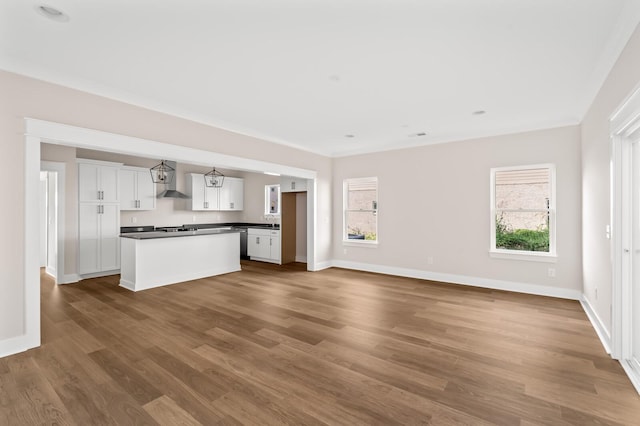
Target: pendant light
{"points": [[162, 173], [214, 179]]}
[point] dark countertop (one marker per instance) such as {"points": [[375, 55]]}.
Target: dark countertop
{"points": [[163, 234], [234, 224]]}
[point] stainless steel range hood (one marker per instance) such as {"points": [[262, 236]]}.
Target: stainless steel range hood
{"points": [[171, 191]]}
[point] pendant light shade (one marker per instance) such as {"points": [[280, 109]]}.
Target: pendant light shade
{"points": [[162, 173], [214, 179]]}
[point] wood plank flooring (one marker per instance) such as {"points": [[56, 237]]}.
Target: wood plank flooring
{"points": [[279, 345]]}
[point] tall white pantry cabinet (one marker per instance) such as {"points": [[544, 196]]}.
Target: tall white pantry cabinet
{"points": [[98, 217]]}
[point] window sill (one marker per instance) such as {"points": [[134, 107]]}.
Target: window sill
{"points": [[360, 243], [523, 255]]}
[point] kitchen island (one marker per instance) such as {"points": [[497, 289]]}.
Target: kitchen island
{"points": [[154, 259]]}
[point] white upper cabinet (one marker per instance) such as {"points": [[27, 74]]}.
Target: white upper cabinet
{"points": [[228, 198], [202, 196], [137, 190], [98, 181], [232, 194], [291, 184]]}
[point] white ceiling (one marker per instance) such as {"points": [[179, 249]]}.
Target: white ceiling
{"points": [[308, 72]]}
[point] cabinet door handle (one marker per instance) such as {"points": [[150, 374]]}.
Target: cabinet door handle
{"points": [[257, 240], [270, 241], [231, 205], [138, 203], [293, 185]]}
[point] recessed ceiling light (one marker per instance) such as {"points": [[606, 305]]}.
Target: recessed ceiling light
{"points": [[52, 13], [272, 173], [479, 112], [334, 77], [418, 134], [349, 136]]}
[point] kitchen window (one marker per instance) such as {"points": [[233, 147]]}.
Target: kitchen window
{"points": [[272, 199], [523, 212], [360, 210]]}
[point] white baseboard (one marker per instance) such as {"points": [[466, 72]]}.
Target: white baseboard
{"points": [[319, 266], [632, 373], [98, 274], [18, 344], [540, 290], [301, 259], [50, 271], [598, 325], [70, 278]]}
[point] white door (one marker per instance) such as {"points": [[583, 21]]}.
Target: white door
{"points": [[634, 300]]}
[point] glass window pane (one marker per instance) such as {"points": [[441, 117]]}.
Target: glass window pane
{"points": [[361, 200], [522, 189], [527, 231], [360, 225]]}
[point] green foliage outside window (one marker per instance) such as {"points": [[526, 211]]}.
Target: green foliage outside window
{"points": [[521, 239]]}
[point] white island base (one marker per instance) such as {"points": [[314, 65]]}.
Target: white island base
{"points": [[155, 262]]}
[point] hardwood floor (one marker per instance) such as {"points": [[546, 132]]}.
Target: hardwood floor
{"points": [[274, 345]]}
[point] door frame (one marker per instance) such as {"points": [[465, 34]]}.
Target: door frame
{"points": [[624, 128], [59, 168]]}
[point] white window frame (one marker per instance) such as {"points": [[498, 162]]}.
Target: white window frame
{"points": [[267, 200], [535, 256], [345, 238]]}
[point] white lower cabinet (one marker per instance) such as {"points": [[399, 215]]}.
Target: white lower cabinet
{"points": [[264, 245], [98, 236]]}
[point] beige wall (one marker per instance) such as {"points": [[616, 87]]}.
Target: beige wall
{"points": [[434, 202], [26, 97], [622, 80]]}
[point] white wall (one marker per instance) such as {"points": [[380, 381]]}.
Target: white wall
{"points": [[434, 202], [596, 204], [26, 97]]}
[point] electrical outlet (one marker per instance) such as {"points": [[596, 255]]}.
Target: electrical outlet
{"points": [[552, 272], [344, 251], [430, 260], [134, 220], [194, 218]]}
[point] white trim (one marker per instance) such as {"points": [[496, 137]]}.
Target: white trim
{"points": [[31, 338], [632, 373], [63, 134], [15, 345], [596, 322], [98, 274], [552, 212], [60, 169], [360, 243], [38, 131], [70, 279], [319, 266], [518, 287], [529, 256]]}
